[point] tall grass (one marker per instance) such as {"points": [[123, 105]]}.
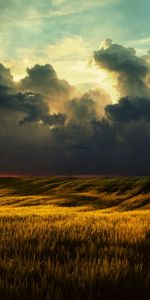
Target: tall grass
{"points": [[60, 243]]}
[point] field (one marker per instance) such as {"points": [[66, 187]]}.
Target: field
{"points": [[75, 238]]}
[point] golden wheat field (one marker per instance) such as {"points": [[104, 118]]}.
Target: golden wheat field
{"points": [[75, 238]]}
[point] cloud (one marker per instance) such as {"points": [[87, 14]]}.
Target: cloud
{"points": [[43, 79], [6, 79], [32, 107], [66, 7], [105, 44], [90, 106], [129, 109], [70, 58], [64, 132], [37, 10], [70, 133], [123, 63], [82, 110], [31, 102]]}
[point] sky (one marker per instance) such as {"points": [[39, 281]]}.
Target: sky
{"points": [[74, 87]]}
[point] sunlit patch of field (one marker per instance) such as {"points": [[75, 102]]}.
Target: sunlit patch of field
{"points": [[75, 238]]}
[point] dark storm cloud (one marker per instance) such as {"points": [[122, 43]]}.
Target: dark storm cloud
{"points": [[99, 98], [129, 109], [88, 107], [33, 107], [6, 79], [82, 110], [119, 141], [129, 69], [43, 79], [87, 134]]}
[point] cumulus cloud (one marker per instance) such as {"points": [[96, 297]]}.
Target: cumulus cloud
{"points": [[123, 63], [105, 44], [129, 109], [87, 134], [43, 79], [82, 110], [6, 79], [28, 106], [101, 99]]}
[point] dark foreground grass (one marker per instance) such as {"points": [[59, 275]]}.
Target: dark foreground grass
{"points": [[93, 248]]}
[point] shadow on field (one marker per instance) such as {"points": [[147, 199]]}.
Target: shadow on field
{"points": [[96, 202], [124, 193]]}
